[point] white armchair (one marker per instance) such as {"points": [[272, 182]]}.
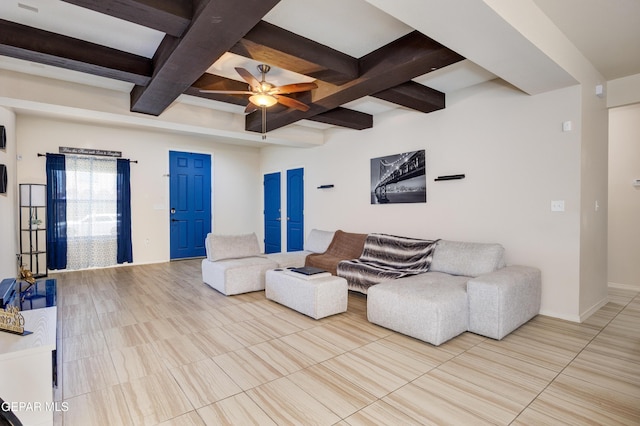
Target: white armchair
{"points": [[234, 264]]}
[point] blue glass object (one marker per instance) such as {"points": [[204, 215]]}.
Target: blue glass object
{"points": [[41, 294]]}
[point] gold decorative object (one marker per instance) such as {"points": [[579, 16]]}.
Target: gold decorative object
{"points": [[11, 320], [27, 275]]}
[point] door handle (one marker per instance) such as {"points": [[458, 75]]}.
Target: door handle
{"points": [[278, 219], [174, 220]]}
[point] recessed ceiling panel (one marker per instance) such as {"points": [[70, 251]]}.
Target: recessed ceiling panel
{"points": [[225, 67], [353, 27], [48, 71], [371, 105], [455, 77], [77, 22]]}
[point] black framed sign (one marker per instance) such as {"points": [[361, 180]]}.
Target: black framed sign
{"points": [[3, 137]]}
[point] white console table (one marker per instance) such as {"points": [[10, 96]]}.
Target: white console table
{"points": [[26, 368]]}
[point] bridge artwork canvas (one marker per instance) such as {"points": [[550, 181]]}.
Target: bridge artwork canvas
{"points": [[399, 178]]}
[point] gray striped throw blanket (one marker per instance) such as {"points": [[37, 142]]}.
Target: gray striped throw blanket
{"points": [[386, 257]]}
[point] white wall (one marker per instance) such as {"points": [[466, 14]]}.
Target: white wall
{"points": [[516, 160], [593, 199], [8, 201], [235, 174], [624, 199]]}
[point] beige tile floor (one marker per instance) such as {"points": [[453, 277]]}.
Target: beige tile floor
{"points": [[147, 345]]}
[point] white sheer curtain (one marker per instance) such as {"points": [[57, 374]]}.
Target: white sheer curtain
{"points": [[91, 212]]}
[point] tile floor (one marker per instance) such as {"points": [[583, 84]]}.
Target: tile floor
{"points": [[151, 344]]}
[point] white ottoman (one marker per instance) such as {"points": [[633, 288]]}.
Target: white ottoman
{"points": [[316, 297]]}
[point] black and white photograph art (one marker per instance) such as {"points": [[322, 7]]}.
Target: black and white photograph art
{"points": [[399, 178]]}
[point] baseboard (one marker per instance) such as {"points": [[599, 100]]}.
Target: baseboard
{"points": [[593, 309], [572, 318], [624, 286], [119, 265], [578, 318]]}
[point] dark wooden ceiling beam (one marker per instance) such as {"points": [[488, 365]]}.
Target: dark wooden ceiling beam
{"points": [[169, 16], [216, 26], [262, 41], [344, 117], [44, 47], [415, 96], [398, 62], [284, 49]]}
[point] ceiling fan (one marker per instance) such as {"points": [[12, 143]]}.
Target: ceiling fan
{"points": [[264, 94]]}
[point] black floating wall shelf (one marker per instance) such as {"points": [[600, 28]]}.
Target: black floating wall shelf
{"points": [[449, 177], [3, 179], [325, 186], [3, 138]]}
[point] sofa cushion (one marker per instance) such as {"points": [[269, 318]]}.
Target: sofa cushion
{"points": [[468, 259], [289, 259], [345, 245], [318, 241], [221, 247]]}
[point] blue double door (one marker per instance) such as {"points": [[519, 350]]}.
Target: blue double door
{"points": [[190, 203], [294, 215]]}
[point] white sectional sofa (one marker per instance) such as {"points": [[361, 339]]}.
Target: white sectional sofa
{"points": [[468, 288]]}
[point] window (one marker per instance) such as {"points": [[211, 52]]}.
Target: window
{"points": [[92, 219], [88, 212]]}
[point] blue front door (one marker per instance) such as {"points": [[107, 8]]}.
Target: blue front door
{"points": [[189, 203], [272, 217], [295, 209]]}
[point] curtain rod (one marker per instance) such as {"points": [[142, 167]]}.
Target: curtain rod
{"points": [[131, 161]]}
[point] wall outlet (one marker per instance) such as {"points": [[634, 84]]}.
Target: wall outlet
{"points": [[557, 206]]}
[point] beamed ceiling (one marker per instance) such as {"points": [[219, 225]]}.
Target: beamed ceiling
{"points": [[79, 59], [198, 33]]}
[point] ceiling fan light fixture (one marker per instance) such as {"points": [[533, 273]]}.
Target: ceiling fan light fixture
{"points": [[263, 100]]}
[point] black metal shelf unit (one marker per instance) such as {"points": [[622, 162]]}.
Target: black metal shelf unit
{"points": [[33, 229]]}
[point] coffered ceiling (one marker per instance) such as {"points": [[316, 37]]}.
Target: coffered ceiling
{"points": [[367, 57]]}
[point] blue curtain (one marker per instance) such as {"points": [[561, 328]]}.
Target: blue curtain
{"points": [[125, 252], [56, 212]]}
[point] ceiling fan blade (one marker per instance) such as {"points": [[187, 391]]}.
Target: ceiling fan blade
{"points": [[293, 88], [227, 92], [249, 78], [250, 108], [292, 103]]}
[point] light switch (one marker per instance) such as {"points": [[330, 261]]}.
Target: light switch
{"points": [[566, 126], [557, 206]]}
